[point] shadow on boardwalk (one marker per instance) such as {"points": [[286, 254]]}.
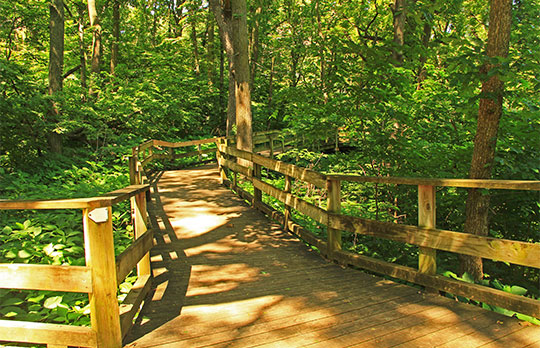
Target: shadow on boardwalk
{"points": [[225, 276]]}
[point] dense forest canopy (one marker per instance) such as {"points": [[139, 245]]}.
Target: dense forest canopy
{"points": [[400, 79]]}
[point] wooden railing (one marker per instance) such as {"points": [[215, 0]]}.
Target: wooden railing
{"points": [[99, 278], [426, 236]]}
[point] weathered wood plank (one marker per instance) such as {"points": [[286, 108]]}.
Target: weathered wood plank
{"points": [[302, 206], [71, 203], [133, 301], [122, 194], [334, 206], [529, 185], [248, 172], [476, 292], [40, 333], [296, 172], [427, 258], [46, 277], [99, 252], [520, 253], [128, 259]]}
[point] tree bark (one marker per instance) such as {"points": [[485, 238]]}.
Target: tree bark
{"points": [[223, 15], [422, 72], [56, 63], [210, 51], [399, 12], [195, 44], [244, 134], [96, 36], [116, 35], [82, 49], [485, 141], [255, 45]]}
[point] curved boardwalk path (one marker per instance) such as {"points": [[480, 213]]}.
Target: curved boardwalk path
{"points": [[228, 277]]}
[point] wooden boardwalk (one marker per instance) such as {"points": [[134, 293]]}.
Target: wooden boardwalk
{"points": [[228, 277]]}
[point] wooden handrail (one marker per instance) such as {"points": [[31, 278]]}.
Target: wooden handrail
{"points": [[528, 185], [426, 236]]}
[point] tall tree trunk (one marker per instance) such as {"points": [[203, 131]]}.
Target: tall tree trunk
{"points": [[223, 17], [322, 59], [255, 45], [82, 49], [222, 88], [56, 63], [116, 35], [271, 92], [96, 36], [194, 43], [422, 72], [399, 12], [244, 134], [210, 51], [485, 141]]}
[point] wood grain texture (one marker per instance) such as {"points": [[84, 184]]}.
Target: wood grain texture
{"points": [[40, 333], [46, 277], [520, 253]]}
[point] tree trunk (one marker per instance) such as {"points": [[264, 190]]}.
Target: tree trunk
{"points": [[485, 141], [56, 63], [422, 72], [210, 51], [255, 45], [400, 14], [116, 35], [194, 43], [244, 139], [82, 49], [223, 17], [322, 59], [96, 36]]}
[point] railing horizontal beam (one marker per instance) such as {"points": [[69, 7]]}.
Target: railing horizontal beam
{"points": [[46, 277], [528, 185], [40, 333]]}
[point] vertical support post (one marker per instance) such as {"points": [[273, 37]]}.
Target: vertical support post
{"points": [[427, 258], [337, 141], [271, 140], [283, 145], [140, 222], [99, 253], [132, 170], [257, 194], [334, 206], [171, 153], [287, 189], [221, 145], [200, 154]]}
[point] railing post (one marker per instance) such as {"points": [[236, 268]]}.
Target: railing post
{"points": [[257, 194], [132, 170], [334, 206], [271, 140], [200, 154], [287, 189], [140, 222], [219, 156], [427, 258], [99, 253]]}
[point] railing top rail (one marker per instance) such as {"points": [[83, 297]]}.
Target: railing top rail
{"points": [[105, 200], [529, 185]]}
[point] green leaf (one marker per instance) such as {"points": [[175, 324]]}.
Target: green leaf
{"points": [[23, 254], [52, 302], [12, 301], [518, 290], [467, 278]]}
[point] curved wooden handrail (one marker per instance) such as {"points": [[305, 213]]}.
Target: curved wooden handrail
{"points": [[105, 200]]}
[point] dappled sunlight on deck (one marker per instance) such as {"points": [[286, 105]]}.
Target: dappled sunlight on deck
{"points": [[228, 277]]}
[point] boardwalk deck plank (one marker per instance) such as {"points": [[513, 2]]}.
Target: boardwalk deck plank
{"points": [[225, 276]]}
